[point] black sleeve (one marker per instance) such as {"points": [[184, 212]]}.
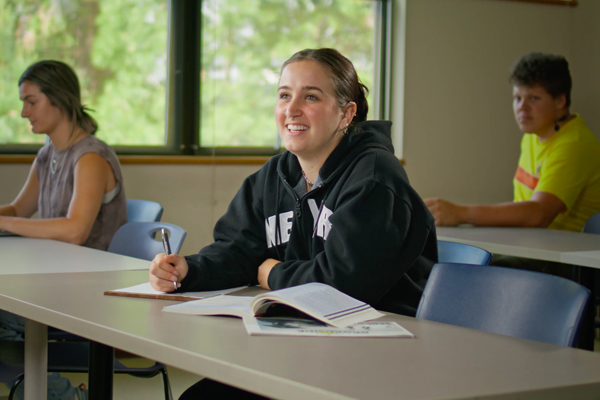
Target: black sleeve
{"points": [[239, 247], [374, 240]]}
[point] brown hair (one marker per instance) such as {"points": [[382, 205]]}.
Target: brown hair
{"points": [[60, 84], [547, 70], [345, 81]]}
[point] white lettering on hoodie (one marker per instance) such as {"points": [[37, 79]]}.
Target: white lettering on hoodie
{"points": [[322, 224], [285, 229]]}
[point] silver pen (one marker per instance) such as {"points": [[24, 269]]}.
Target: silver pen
{"points": [[167, 247]]}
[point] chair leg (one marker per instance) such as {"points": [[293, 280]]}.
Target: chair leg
{"points": [[14, 387], [167, 385], [576, 274]]}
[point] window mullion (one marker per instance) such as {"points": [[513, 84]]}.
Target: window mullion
{"points": [[186, 42]]}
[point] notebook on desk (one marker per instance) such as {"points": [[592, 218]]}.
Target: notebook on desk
{"points": [[145, 291]]}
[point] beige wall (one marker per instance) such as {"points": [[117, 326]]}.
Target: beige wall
{"points": [[193, 196], [460, 138], [585, 62]]}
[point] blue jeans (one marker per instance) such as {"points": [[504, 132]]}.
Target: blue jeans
{"points": [[12, 327]]}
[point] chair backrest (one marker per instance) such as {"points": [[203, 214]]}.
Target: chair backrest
{"points": [[143, 211], [136, 239], [451, 252], [593, 224], [525, 304]]}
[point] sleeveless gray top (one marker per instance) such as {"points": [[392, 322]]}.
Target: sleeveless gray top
{"points": [[56, 173]]}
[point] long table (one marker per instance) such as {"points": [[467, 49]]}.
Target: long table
{"points": [[37, 257], [571, 248], [536, 243], [583, 258], [442, 362]]}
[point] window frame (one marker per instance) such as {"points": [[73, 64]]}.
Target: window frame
{"points": [[183, 91]]}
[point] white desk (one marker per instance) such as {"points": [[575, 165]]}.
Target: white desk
{"points": [[39, 256], [443, 362], [583, 258], [21, 255], [536, 243]]}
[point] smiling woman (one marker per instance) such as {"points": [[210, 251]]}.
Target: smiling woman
{"points": [[335, 208]]}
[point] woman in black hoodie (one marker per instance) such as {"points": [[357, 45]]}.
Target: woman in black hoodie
{"points": [[335, 208]]}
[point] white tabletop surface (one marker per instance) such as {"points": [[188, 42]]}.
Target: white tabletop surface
{"points": [[38, 257], [19, 255], [584, 258], [537, 243], [442, 362]]}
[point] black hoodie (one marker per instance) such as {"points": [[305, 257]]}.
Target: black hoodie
{"points": [[364, 230]]}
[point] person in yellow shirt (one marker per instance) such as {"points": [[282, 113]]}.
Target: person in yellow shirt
{"points": [[557, 182]]}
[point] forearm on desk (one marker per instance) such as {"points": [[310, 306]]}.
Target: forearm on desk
{"points": [[8, 210], [63, 229], [522, 213]]}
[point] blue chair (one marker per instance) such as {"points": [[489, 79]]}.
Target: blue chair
{"points": [[593, 224], [70, 353], [452, 252], [137, 239], [525, 304], [143, 211]]}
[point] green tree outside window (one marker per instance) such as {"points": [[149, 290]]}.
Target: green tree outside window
{"points": [[119, 51]]}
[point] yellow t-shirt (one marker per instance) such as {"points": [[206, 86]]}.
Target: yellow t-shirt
{"points": [[566, 165]]}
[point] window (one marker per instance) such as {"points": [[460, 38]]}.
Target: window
{"points": [[118, 49], [205, 83]]}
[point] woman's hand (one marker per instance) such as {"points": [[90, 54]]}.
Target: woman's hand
{"points": [[166, 269], [264, 270]]}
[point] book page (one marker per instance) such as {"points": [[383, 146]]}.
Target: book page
{"points": [[238, 306], [320, 301]]}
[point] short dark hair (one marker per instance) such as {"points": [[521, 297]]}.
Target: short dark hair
{"points": [[59, 83], [343, 76], [547, 70]]}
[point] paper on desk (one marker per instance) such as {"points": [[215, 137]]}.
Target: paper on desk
{"points": [[296, 327], [145, 290]]}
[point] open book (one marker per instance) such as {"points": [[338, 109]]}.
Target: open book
{"points": [[317, 300], [146, 291]]}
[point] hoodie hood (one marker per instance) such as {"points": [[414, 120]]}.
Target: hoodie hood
{"points": [[367, 135]]}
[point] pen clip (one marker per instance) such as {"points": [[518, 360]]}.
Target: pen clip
{"points": [[165, 241]]}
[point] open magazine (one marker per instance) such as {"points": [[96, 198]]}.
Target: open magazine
{"points": [[316, 300], [273, 326]]}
